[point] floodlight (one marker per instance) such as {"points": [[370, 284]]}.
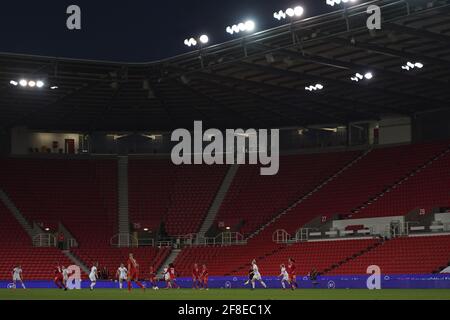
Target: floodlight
{"points": [[204, 39]]}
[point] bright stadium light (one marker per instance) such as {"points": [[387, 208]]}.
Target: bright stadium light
{"points": [[334, 2], [247, 26], [193, 42], [409, 65], [53, 87], [314, 88], [250, 25], [204, 39], [28, 83], [289, 13], [358, 76], [298, 11], [190, 42], [368, 75]]}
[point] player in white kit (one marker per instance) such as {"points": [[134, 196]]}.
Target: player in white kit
{"points": [[256, 275], [93, 276], [166, 275], [65, 274], [17, 276], [122, 274], [284, 276]]}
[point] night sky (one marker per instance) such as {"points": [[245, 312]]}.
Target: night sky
{"points": [[133, 30]]}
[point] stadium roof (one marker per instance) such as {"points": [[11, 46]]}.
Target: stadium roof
{"points": [[256, 81]]}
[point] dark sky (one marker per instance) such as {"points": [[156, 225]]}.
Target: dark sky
{"points": [[131, 30]]}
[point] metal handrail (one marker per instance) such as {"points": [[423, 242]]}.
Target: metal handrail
{"points": [[44, 240]]}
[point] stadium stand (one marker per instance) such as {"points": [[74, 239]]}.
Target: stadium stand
{"points": [[406, 255], [418, 191], [81, 194], [373, 174], [253, 199], [178, 196], [320, 255], [235, 260], [122, 108], [16, 248]]}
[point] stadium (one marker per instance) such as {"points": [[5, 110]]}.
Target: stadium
{"points": [[357, 208]]}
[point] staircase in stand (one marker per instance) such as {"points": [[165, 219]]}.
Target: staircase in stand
{"points": [[352, 257], [220, 196], [170, 259], [76, 261], [124, 222], [318, 188], [31, 230], [400, 182], [243, 268]]}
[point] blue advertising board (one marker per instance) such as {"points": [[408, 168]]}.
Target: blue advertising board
{"points": [[423, 281]]}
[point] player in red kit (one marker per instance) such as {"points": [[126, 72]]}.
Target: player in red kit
{"points": [[196, 283], [133, 272], [173, 276], [204, 277], [292, 272], [59, 278], [152, 278]]}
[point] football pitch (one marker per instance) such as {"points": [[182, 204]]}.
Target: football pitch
{"points": [[225, 294]]}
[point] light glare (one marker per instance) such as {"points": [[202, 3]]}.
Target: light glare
{"points": [[247, 26], [250, 25], [298, 11], [204, 39]]}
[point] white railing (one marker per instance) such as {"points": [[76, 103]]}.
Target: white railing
{"points": [[187, 239], [414, 228], [223, 239], [307, 234], [44, 240], [281, 236], [163, 244], [206, 241], [229, 238], [72, 243], [302, 234]]}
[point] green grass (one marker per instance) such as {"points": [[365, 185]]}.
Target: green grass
{"points": [[224, 294]]}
